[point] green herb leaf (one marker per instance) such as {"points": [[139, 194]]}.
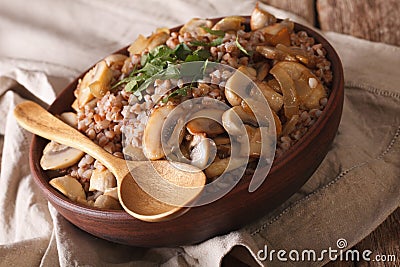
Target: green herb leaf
{"points": [[241, 48], [198, 55], [204, 68], [182, 51], [180, 91], [218, 33]]}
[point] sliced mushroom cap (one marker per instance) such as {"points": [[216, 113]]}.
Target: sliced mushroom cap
{"points": [[262, 71], [154, 40], [69, 118], [273, 83], [101, 80], [271, 52], [308, 87], [232, 23], [206, 121], [232, 98], [196, 25], [278, 124], [277, 33], [260, 18], [115, 61], [95, 83], [222, 140], [290, 126], [203, 153], [238, 84], [297, 52], [253, 146], [69, 187], [249, 71], [290, 99], [152, 146], [138, 45], [57, 156], [233, 120], [107, 202], [112, 192], [219, 166], [256, 142], [274, 99], [102, 180]]}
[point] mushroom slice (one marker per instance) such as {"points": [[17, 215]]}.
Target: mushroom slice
{"points": [[277, 33], [274, 99], [138, 45], [278, 124], [58, 156], [82, 92], [69, 187], [112, 192], [219, 166], [260, 18], [107, 202], [262, 71], [206, 121], [290, 99], [154, 40], [115, 61], [196, 25], [102, 180], [232, 98], [271, 52], [233, 120], [204, 125], [158, 38], [308, 87], [290, 126], [255, 142], [152, 147], [298, 53], [203, 153], [249, 71], [69, 118], [232, 23], [101, 80], [222, 140], [237, 83], [273, 83]]}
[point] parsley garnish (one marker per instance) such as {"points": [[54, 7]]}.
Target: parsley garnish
{"points": [[158, 63], [218, 33], [180, 91], [241, 48]]}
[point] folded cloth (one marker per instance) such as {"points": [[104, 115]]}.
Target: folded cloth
{"points": [[45, 45]]}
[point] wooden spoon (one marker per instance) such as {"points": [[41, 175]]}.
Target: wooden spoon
{"points": [[176, 188]]}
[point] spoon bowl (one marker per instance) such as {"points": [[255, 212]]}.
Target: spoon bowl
{"points": [[149, 191]]}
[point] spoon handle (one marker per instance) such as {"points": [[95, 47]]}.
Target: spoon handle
{"points": [[39, 121]]}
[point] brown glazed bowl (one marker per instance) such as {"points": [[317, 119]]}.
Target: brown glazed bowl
{"points": [[234, 210]]}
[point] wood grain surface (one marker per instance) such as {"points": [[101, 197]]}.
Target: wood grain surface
{"points": [[377, 20], [374, 20], [302, 8]]}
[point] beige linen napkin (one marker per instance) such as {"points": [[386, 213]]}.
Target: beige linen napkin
{"points": [[44, 46]]}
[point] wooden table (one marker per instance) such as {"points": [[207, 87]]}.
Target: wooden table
{"points": [[375, 20]]}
